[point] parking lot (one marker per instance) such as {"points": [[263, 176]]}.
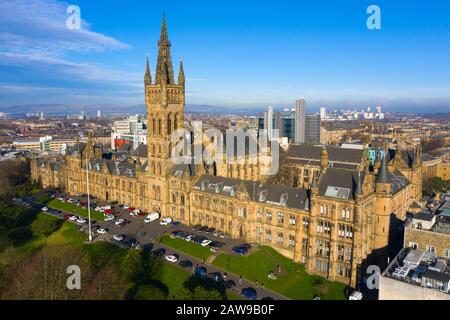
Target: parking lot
{"points": [[133, 232]]}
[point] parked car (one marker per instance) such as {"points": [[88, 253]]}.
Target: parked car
{"points": [[198, 240], [102, 231], [118, 237], [200, 271], [45, 209], [125, 207], [355, 295], [205, 242], [229, 284], [186, 264], [151, 217], [172, 258], [175, 233], [135, 213], [196, 227], [73, 218], [67, 216], [240, 250], [109, 217], [210, 230], [119, 222], [81, 220], [108, 211], [249, 293], [214, 276], [166, 221], [203, 229], [160, 252]]}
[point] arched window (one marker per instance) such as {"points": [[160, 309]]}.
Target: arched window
{"points": [[169, 124], [182, 199], [159, 126], [153, 150], [175, 121], [159, 168], [154, 126]]}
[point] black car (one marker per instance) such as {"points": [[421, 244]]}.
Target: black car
{"points": [[159, 252], [229, 284], [216, 244], [210, 230], [198, 240], [186, 264], [215, 276], [203, 229]]}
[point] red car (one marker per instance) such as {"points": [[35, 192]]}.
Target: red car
{"points": [[67, 216], [131, 209], [109, 211]]}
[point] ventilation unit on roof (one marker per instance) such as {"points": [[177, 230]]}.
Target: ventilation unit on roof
{"points": [[337, 192], [263, 196], [283, 199]]}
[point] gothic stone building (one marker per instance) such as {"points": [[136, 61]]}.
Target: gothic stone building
{"points": [[337, 216]]}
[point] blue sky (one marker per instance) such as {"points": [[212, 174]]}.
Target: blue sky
{"points": [[235, 53]]}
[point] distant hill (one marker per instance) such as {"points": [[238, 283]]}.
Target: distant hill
{"points": [[62, 109]]}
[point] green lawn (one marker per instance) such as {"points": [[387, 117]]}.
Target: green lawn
{"points": [[72, 208], [296, 284], [192, 249], [68, 234]]}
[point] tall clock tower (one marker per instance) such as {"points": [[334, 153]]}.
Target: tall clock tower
{"points": [[164, 100]]}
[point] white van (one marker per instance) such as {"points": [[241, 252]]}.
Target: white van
{"points": [[151, 217]]}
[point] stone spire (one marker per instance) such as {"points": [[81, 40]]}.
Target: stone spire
{"points": [[181, 78], [383, 174], [324, 158], [314, 183], [358, 190], [147, 76], [164, 68]]}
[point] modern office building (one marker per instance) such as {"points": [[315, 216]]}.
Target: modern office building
{"points": [[300, 121], [312, 128]]}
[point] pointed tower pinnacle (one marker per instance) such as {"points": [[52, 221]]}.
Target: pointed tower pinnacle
{"points": [[164, 58], [314, 183], [324, 157], [358, 189], [147, 76], [181, 78], [383, 174]]}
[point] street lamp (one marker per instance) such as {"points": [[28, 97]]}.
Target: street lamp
{"points": [[88, 197]]}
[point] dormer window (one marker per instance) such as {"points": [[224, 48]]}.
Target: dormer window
{"points": [[263, 196], [283, 199]]}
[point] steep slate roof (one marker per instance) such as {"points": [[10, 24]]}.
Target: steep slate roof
{"points": [[338, 183], [263, 193], [428, 157], [180, 169], [337, 157], [78, 147], [408, 156]]}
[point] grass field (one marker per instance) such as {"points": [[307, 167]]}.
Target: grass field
{"points": [[72, 208], [295, 284], [192, 249]]}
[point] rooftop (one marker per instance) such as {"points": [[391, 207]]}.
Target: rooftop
{"points": [[420, 268]]}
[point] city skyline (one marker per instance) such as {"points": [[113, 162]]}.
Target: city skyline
{"points": [[344, 65]]}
